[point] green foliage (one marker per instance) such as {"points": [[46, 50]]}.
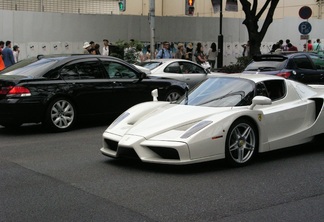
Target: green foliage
{"points": [[238, 67], [127, 51]]}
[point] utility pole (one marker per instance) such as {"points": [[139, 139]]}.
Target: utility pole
{"points": [[220, 38], [152, 27]]}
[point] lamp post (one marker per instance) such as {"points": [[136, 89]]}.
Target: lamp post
{"points": [[152, 27], [220, 38]]}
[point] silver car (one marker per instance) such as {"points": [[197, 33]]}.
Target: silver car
{"points": [[179, 69]]}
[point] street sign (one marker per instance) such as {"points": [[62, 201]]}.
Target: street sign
{"points": [[304, 37], [305, 28], [305, 12]]}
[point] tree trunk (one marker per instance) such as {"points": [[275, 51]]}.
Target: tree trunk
{"points": [[252, 19]]}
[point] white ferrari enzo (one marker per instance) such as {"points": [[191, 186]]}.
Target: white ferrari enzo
{"points": [[233, 117]]}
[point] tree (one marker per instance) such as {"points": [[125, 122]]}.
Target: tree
{"points": [[251, 22]]}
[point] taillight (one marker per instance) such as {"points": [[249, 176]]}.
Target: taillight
{"points": [[18, 91], [286, 75]]}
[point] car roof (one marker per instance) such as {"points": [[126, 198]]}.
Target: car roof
{"points": [[278, 57], [167, 60], [252, 77]]}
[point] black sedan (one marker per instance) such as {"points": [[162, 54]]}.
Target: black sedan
{"points": [[303, 67], [59, 91]]}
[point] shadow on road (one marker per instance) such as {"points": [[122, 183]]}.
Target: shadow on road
{"points": [[30, 129], [219, 165]]}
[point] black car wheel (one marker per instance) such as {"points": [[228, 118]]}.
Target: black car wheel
{"points": [[241, 143], [173, 95], [60, 115]]}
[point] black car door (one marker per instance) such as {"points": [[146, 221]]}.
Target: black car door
{"points": [[129, 89], [318, 62], [89, 86], [305, 70]]}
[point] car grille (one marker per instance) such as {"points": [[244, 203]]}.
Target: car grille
{"points": [[128, 152]]}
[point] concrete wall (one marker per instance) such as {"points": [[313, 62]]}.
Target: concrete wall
{"points": [[48, 33]]}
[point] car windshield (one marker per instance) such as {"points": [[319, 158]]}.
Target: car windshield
{"points": [[263, 66], [150, 65], [31, 69], [221, 92]]}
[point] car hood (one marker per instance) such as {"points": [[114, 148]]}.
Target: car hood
{"points": [[172, 117]]}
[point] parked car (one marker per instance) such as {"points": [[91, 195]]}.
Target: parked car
{"points": [[303, 67], [179, 69], [230, 116], [59, 91]]}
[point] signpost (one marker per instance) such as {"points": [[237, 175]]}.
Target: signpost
{"points": [[305, 27]]}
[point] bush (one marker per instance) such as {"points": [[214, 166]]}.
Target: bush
{"points": [[238, 67], [127, 51]]}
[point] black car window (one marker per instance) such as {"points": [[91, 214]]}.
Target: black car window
{"points": [[187, 67], [318, 61], [117, 70], [276, 89], [69, 72], [89, 70], [268, 65], [34, 69], [302, 62], [173, 68]]}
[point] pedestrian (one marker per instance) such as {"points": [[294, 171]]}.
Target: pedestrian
{"points": [[16, 52], [246, 49], [291, 47], [286, 47], [189, 51], [7, 55], [92, 51], [86, 48], [317, 46], [212, 55], [309, 46], [148, 52], [105, 48], [164, 53], [277, 47], [92, 43], [2, 65], [97, 48], [199, 54], [180, 53], [1, 46]]}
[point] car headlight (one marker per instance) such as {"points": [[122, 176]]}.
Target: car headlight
{"points": [[118, 120], [197, 127]]}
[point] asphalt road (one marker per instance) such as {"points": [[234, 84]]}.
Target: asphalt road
{"points": [[64, 177]]}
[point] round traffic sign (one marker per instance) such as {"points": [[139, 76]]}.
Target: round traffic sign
{"points": [[305, 28], [305, 12]]}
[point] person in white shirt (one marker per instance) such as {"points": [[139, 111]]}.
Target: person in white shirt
{"points": [[105, 49], [16, 53]]}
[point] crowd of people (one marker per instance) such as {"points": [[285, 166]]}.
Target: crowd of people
{"points": [[201, 55], [8, 56], [279, 47]]}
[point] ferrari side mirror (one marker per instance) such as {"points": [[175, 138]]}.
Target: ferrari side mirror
{"points": [[260, 100]]}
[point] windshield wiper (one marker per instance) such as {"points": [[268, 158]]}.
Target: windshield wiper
{"points": [[241, 93]]}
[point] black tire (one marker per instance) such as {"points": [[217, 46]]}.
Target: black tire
{"points": [[60, 115], [242, 143], [173, 95]]}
